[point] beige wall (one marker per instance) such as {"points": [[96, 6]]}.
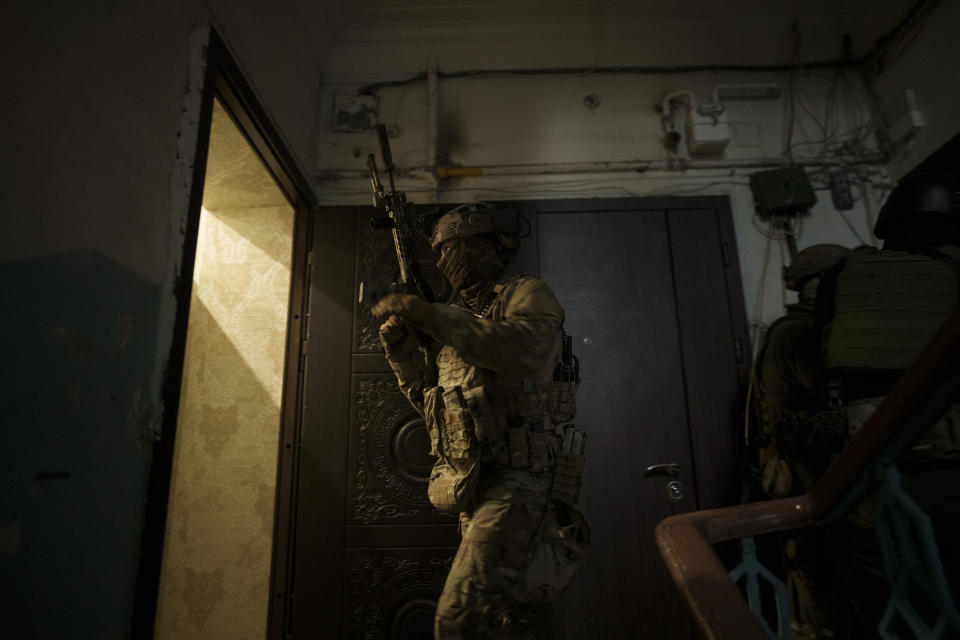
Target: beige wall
{"points": [[216, 567], [543, 121]]}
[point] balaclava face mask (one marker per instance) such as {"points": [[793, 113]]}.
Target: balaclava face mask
{"points": [[472, 266]]}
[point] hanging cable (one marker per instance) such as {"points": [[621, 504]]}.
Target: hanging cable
{"points": [[792, 88], [759, 331], [783, 264], [853, 230]]}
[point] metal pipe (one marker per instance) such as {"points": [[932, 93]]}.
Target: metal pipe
{"points": [[635, 166], [868, 208], [433, 123], [542, 169]]}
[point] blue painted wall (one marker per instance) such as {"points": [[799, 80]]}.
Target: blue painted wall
{"points": [[77, 345], [92, 212]]}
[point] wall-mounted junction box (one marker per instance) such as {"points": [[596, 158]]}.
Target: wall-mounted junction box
{"points": [[708, 130], [782, 190]]}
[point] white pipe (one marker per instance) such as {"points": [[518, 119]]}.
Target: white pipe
{"points": [[868, 209], [433, 122], [666, 108], [747, 91]]}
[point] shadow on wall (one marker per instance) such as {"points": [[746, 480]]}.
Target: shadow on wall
{"points": [[78, 342]]}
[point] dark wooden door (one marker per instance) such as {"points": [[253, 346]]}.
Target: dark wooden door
{"points": [[647, 296]]}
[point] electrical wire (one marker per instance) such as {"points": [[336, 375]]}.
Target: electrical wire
{"points": [[851, 227], [834, 142], [759, 330], [576, 186], [791, 87], [783, 264], [892, 38]]}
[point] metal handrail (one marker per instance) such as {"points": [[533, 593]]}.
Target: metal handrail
{"points": [[915, 402]]}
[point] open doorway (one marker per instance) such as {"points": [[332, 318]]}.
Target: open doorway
{"points": [[214, 581], [213, 546]]}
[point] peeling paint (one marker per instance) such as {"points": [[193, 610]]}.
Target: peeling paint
{"points": [[450, 136], [181, 185], [138, 418], [355, 113]]}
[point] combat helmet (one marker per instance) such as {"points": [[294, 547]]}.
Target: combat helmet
{"points": [[925, 192], [473, 219], [811, 262]]}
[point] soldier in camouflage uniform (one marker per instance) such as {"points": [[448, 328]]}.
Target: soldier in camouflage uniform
{"points": [[877, 311], [787, 368], [788, 365], [483, 387]]}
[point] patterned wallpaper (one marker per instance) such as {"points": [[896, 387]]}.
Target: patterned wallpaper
{"points": [[216, 565]]}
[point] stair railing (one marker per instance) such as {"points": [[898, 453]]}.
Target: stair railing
{"points": [[917, 401]]}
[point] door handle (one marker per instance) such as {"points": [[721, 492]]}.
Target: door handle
{"points": [[671, 469]]}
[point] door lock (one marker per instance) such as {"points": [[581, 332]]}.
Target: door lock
{"points": [[671, 470], [675, 490]]}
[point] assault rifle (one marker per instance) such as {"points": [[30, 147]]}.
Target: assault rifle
{"points": [[400, 220], [568, 368]]}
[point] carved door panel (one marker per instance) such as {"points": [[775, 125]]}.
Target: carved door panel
{"points": [[397, 547], [370, 555]]}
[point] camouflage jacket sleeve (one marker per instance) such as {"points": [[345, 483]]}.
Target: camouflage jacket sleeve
{"points": [[521, 336], [787, 369], [416, 372]]}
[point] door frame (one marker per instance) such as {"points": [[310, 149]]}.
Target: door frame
{"points": [[223, 79]]}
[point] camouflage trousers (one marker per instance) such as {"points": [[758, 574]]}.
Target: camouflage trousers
{"points": [[480, 596]]}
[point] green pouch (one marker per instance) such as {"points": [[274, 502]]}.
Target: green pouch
{"points": [[430, 415], [488, 424], [568, 477], [564, 539], [563, 401], [540, 450], [451, 489], [458, 438]]}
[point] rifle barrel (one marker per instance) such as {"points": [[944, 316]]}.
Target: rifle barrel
{"points": [[384, 141]]}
